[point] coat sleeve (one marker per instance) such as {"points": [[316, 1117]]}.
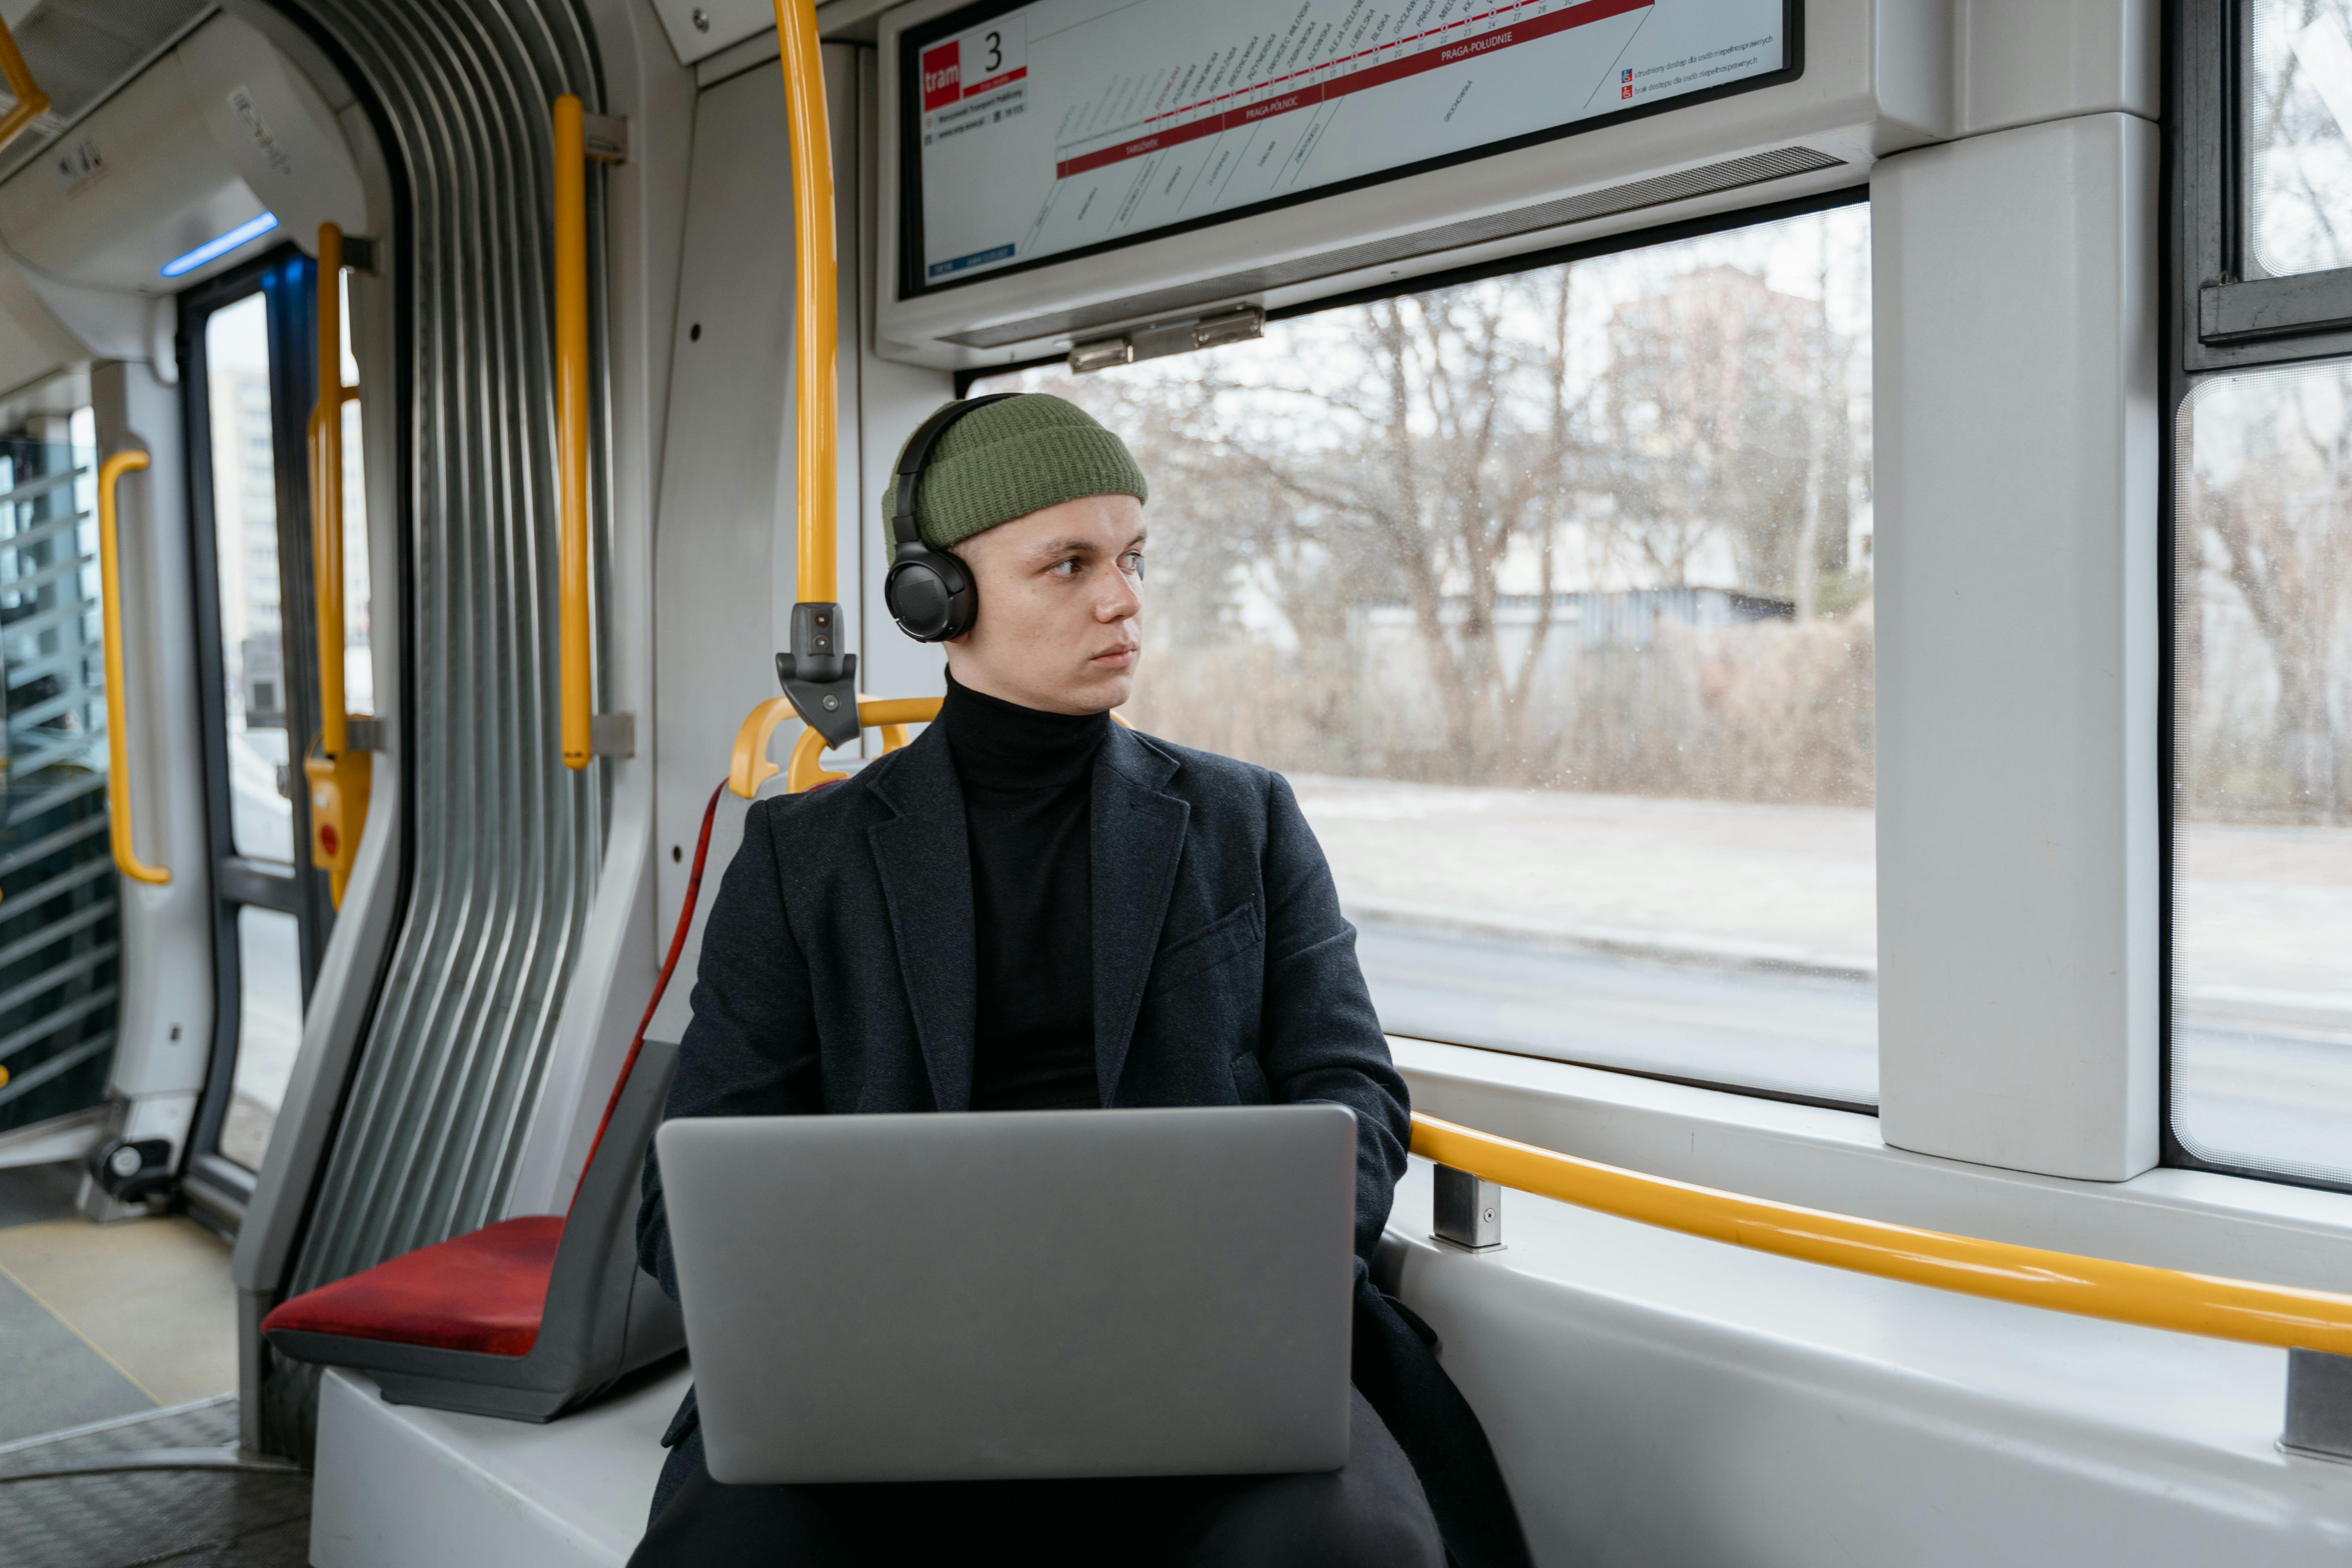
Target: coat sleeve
{"points": [[1318, 1037], [752, 1048]]}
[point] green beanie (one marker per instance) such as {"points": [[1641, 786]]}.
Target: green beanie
{"points": [[1009, 459]]}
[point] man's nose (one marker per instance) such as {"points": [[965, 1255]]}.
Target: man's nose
{"points": [[1122, 603]]}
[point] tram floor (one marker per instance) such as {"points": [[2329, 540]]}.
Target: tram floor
{"points": [[115, 1341], [68, 1500], [98, 1321]]}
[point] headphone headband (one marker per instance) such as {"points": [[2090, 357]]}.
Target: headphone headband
{"points": [[929, 592]]}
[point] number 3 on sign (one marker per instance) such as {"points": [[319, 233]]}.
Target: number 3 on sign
{"points": [[995, 57]]}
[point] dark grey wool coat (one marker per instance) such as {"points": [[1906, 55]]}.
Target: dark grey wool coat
{"points": [[839, 975]]}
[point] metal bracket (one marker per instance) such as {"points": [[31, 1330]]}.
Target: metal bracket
{"points": [[362, 732], [613, 734], [1467, 1211], [604, 138], [819, 678], [359, 253], [2318, 1405], [1237, 325]]}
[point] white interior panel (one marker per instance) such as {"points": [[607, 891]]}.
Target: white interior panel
{"points": [[2017, 456], [275, 129], [2025, 60], [699, 28], [164, 1030], [725, 520], [33, 343], [137, 184], [497, 1494]]}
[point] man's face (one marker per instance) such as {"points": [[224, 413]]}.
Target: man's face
{"points": [[1060, 591]]}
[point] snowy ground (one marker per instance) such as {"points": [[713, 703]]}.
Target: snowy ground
{"points": [[2258, 908], [1627, 933]]}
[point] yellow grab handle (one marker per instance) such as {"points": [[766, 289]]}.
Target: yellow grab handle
{"points": [[815, 302], [891, 716], [571, 426], [750, 767], [2028, 1276], [118, 721], [340, 779], [31, 101]]}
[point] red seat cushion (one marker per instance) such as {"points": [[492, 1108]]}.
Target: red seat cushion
{"points": [[482, 1291]]}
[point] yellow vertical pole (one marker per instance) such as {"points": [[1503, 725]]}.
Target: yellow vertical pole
{"points": [[572, 425], [326, 493], [340, 779], [814, 321], [118, 713]]}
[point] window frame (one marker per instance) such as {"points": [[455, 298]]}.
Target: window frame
{"points": [[286, 278], [2233, 315], [2229, 318]]}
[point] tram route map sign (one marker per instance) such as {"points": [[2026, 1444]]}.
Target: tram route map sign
{"points": [[1034, 132]]}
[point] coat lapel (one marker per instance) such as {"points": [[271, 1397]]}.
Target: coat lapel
{"points": [[924, 858], [1138, 838]]}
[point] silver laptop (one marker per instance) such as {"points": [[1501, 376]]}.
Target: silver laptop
{"points": [[1016, 1294]]}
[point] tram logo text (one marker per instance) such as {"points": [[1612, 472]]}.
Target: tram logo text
{"points": [[942, 75]]}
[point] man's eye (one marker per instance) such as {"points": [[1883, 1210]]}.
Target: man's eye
{"points": [[1065, 568], [1133, 562]]}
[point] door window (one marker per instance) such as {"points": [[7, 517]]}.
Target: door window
{"points": [[244, 552], [252, 336]]}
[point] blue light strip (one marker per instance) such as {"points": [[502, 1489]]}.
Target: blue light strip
{"points": [[252, 228]]}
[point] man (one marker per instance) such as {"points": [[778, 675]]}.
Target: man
{"points": [[1030, 908]]}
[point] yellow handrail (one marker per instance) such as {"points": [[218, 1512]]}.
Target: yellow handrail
{"points": [[340, 779], [31, 101], [814, 329], [2152, 1298], [118, 721], [571, 426], [748, 766]]}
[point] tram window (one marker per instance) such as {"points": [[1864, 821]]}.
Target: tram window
{"points": [[60, 943], [268, 1030], [2299, 134], [2262, 857], [1552, 594], [245, 531]]}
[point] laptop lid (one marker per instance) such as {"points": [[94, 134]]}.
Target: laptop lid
{"points": [[1016, 1294]]}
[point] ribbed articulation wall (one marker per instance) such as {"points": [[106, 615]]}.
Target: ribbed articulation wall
{"points": [[503, 841]]}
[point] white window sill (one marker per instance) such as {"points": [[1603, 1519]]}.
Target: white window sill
{"points": [[1836, 1160]]}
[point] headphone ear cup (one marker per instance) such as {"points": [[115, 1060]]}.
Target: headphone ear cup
{"points": [[929, 594]]}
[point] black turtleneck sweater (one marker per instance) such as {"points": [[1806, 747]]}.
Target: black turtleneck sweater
{"points": [[1028, 785]]}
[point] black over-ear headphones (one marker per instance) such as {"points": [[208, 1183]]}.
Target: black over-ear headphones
{"points": [[929, 592]]}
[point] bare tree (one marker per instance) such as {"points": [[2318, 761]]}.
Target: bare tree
{"points": [[1365, 529], [1451, 448], [2278, 531]]}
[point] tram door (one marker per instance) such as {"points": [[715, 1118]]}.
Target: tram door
{"points": [[247, 359]]}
